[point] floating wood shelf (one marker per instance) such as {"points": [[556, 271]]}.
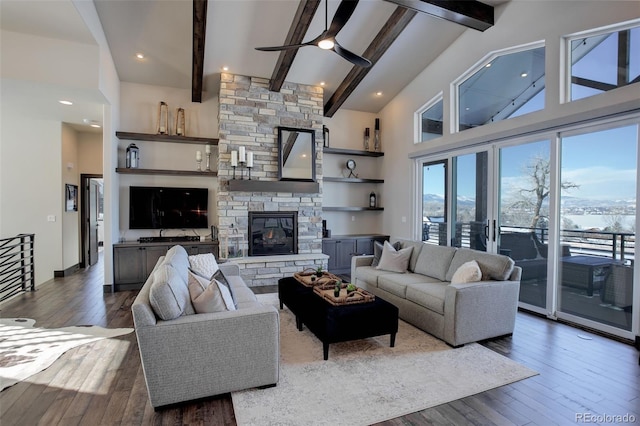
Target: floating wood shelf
{"points": [[274, 186], [351, 209], [352, 180], [352, 152], [164, 172], [166, 138]]}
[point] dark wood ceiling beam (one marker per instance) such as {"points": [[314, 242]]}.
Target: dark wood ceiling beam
{"points": [[472, 14], [297, 31], [396, 23], [199, 31]]}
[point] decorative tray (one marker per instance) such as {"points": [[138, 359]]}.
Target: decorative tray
{"points": [[309, 278], [359, 295]]}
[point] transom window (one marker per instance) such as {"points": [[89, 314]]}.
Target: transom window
{"points": [[504, 86], [603, 62], [430, 119]]}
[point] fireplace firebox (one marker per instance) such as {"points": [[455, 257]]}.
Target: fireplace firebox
{"points": [[273, 233]]}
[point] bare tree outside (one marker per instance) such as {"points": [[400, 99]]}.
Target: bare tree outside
{"points": [[538, 172]]}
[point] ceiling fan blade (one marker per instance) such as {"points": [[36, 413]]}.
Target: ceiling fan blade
{"points": [[344, 12], [351, 57], [277, 48]]}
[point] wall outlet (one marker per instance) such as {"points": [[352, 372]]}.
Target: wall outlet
{"points": [[404, 219], [51, 218]]}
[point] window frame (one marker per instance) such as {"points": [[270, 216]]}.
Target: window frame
{"points": [[417, 117], [454, 87], [566, 65]]}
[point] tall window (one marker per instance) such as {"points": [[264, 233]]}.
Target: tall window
{"points": [[604, 62], [506, 86], [430, 120]]}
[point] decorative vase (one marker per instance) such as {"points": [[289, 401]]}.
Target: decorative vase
{"points": [[180, 122], [163, 118], [376, 137], [366, 139]]}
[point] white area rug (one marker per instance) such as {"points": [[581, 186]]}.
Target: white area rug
{"points": [[366, 381], [26, 350]]}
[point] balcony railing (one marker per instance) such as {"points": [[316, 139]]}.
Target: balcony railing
{"points": [[614, 245]]}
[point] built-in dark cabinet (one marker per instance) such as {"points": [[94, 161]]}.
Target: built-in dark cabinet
{"points": [[341, 248], [133, 262]]}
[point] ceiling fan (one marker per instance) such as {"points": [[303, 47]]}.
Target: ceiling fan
{"points": [[327, 40]]}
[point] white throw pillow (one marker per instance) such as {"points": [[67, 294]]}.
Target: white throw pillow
{"points": [[204, 265], [393, 260], [205, 298], [468, 272]]}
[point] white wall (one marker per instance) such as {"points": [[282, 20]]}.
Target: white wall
{"points": [[516, 23], [90, 156], [30, 186], [139, 113], [70, 219]]}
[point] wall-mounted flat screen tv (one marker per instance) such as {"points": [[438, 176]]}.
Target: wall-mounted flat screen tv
{"points": [[168, 208]]}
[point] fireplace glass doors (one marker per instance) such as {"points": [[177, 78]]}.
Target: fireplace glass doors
{"points": [[273, 233]]}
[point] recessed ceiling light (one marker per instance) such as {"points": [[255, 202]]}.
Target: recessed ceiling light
{"points": [[66, 102], [139, 55], [97, 126], [225, 68], [322, 83], [378, 93], [524, 74]]}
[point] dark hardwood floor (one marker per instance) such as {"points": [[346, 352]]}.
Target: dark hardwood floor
{"points": [[102, 383]]}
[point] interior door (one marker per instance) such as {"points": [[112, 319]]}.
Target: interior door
{"points": [[93, 222]]}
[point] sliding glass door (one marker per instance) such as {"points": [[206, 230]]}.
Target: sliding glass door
{"points": [[561, 205], [434, 202], [523, 215], [469, 200], [598, 221]]}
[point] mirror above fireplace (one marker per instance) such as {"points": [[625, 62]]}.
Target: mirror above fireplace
{"points": [[296, 154]]}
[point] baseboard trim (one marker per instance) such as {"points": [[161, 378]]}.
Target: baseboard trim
{"points": [[67, 272], [111, 288]]}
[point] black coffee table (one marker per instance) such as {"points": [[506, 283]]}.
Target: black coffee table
{"points": [[333, 324]]}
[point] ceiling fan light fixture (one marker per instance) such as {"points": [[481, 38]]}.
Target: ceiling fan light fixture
{"points": [[326, 44]]}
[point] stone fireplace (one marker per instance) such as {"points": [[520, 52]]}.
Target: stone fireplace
{"points": [[249, 117], [273, 233]]}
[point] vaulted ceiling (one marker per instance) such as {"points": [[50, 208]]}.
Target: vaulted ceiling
{"points": [[163, 31]]}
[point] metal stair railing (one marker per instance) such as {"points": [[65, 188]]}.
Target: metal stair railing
{"points": [[17, 265]]}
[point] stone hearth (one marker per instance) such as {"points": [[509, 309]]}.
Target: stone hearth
{"points": [[249, 116]]}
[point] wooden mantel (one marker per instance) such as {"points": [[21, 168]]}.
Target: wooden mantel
{"points": [[300, 187]]}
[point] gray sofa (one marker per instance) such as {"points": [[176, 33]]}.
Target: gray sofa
{"points": [[200, 355], [455, 313]]}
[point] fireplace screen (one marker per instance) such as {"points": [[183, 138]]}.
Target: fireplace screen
{"points": [[273, 233]]}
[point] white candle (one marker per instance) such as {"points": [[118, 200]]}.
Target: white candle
{"points": [[198, 155], [207, 149], [234, 158], [243, 156], [249, 159]]}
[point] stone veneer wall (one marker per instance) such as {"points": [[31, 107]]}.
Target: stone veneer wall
{"points": [[249, 115]]}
